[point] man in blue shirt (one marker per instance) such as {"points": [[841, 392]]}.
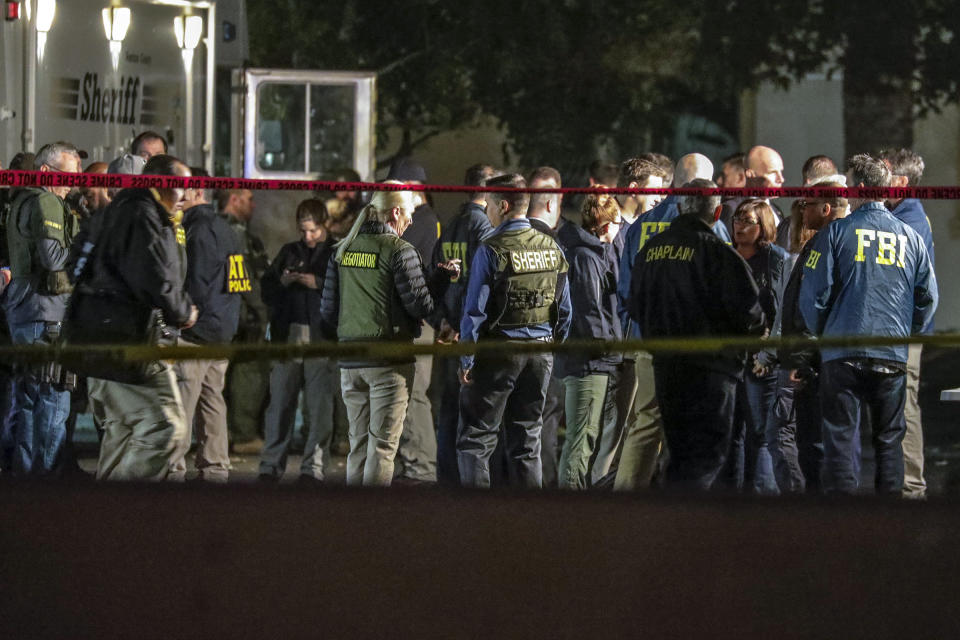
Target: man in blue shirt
{"points": [[514, 295], [907, 169], [867, 274]]}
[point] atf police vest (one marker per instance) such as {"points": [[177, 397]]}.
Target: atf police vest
{"points": [[525, 283], [368, 298], [53, 221]]}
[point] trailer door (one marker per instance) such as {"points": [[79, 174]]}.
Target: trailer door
{"points": [[305, 124]]}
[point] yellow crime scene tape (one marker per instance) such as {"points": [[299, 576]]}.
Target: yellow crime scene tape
{"points": [[126, 353]]}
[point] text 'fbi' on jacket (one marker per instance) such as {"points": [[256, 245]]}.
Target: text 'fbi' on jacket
{"points": [[359, 260], [456, 251], [532, 260], [238, 280], [670, 252]]}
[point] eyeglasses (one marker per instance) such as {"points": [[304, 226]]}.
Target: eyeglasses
{"points": [[805, 203], [746, 222]]}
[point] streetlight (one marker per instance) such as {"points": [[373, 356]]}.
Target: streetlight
{"points": [[46, 9], [116, 21], [188, 30]]}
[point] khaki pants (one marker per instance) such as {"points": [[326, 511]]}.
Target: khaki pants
{"points": [[417, 455], [644, 433], [376, 400], [145, 428], [914, 486], [201, 387]]}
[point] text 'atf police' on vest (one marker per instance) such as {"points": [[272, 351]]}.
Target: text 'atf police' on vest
{"points": [[238, 280], [532, 260]]}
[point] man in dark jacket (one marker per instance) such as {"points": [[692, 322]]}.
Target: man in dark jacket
{"points": [[907, 168], [459, 240], [374, 289], [687, 282], [293, 291], [216, 278], [867, 274], [515, 294], [590, 379], [417, 456], [131, 278], [793, 430], [40, 231]]}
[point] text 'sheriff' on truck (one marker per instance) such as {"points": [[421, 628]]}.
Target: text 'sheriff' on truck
{"points": [[98, 72]]}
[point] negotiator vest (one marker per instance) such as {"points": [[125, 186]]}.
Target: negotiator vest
{"points": [[525, 283], [370, 307]]}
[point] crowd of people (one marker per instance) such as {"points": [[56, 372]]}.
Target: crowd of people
{"points": [[175, 266]]}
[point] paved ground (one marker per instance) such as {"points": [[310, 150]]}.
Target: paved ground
{"points": [[942, 445]]}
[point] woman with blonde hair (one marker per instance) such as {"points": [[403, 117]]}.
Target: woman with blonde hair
{"points": [[375, 290]]}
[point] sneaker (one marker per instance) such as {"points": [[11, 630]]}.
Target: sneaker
{"points": [[306, 480], [252, 448]]}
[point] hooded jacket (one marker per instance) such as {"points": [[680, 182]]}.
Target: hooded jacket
{"points": [[592, 277], [295, 303]]}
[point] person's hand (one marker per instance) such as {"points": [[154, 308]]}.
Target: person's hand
{"points": [[452, 267], [796, 379], [447, 334], [287, 278], [192, 320], [6, 275], [466, 376], [308, 280]]}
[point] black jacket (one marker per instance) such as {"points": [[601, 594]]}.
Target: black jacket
{"points": [[460, 239], [295, 303], [136, 260], [424, 231], [686, 282], [791, 320], [593, 294], [212, 251]]}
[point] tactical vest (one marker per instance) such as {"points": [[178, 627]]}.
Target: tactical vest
{"points": [[525, 283], [369, 305], [23, 261]]}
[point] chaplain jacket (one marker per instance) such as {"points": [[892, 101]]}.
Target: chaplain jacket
{"points": [[868, 275], [688, 282], [645, 227]]}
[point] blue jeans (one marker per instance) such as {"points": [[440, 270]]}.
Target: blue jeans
{"points": [[40, 413], [750, 462], [846, 390]]}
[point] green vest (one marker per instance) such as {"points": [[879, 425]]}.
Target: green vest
{"points": [[34, 215], [525, 283], [370, 307]]}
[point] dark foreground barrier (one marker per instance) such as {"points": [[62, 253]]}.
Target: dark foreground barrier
{"points": [[169, 562]]}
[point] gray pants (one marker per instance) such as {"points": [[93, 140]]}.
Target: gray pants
{"points": [[914, 486], [144, 426], [376, 400], [317, 378], [644, 432], [417, 456], [201, 388]]}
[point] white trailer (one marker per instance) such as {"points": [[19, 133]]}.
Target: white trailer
{"points": [[98, 72]]}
